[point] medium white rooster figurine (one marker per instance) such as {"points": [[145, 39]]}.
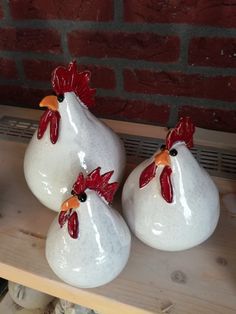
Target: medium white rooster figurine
{"points": [[169, 200], [88, 244], [69, 139]]}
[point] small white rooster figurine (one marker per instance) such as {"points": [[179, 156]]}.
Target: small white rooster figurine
{"points": [[169, 200], [69, 139], [88, 244]]}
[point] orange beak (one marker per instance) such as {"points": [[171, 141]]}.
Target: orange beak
{"points": [[163, 158], [71, 202], [50, 102]]}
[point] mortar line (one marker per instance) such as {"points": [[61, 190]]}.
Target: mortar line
{"points": [[6, 12], [154, 98], [64, 45], [119, 25], [158, 66], [18, 55], [118, 11], [20, 71], [184, 38], [173, 116], [124, 63], [171, 100]]}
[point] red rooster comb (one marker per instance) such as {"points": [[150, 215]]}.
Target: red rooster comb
{"points": [[97, 182], [183, 132], [70, 80]]}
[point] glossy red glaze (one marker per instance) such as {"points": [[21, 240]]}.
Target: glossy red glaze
{"points": [[183, 132], [63, 217], [147, 175], [52, 117], [97, 182], [54, 126], [94, 181], [73, 225], [72, 222], [43, 123], [70, 80], [166, 185]]}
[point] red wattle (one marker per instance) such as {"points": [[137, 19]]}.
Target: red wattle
{"points": [[147, 175], [54, 127], [73, 226], [52, 117], [43, 123], [166, 185], [63, 217]]}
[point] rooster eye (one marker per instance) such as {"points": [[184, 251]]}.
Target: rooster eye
{"points": [[82, 197], [163, 147], [60, 98], [173, 152]]}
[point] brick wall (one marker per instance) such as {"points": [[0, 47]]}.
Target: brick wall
{"points": [[151, 61]]}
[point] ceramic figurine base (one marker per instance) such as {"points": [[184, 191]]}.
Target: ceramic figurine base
{"points": [[169, 201]]}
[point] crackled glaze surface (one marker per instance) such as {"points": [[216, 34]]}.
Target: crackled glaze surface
{"points": [[174, 213], [99, 253], [83, 144]]}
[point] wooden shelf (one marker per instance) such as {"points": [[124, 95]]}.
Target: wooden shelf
{"points": [[201, 280]]}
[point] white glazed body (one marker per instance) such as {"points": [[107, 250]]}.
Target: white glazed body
{"points": [[188, 221], [101, 250], [84, 144], [28, 298]]}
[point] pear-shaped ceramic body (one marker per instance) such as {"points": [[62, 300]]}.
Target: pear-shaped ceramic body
{"points": [[186, 222], [84, 143], [28, 298], [99, 253]]}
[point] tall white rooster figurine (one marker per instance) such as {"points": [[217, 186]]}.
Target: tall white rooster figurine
{"points": [[88, 244], [169, 200], [69, 139]]}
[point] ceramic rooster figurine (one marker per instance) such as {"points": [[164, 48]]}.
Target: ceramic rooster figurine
{"points": [[88, 244], [169, 200], [69, 139]]}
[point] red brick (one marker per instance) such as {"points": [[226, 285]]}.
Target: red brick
{"points": [[131, 110], [38, 40], [202, 12], [90, 10], [22, 96], [40, 70], [8, 68], [215, 119], [180, 84], [215, 52], [101, 77], [144, 46]]}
